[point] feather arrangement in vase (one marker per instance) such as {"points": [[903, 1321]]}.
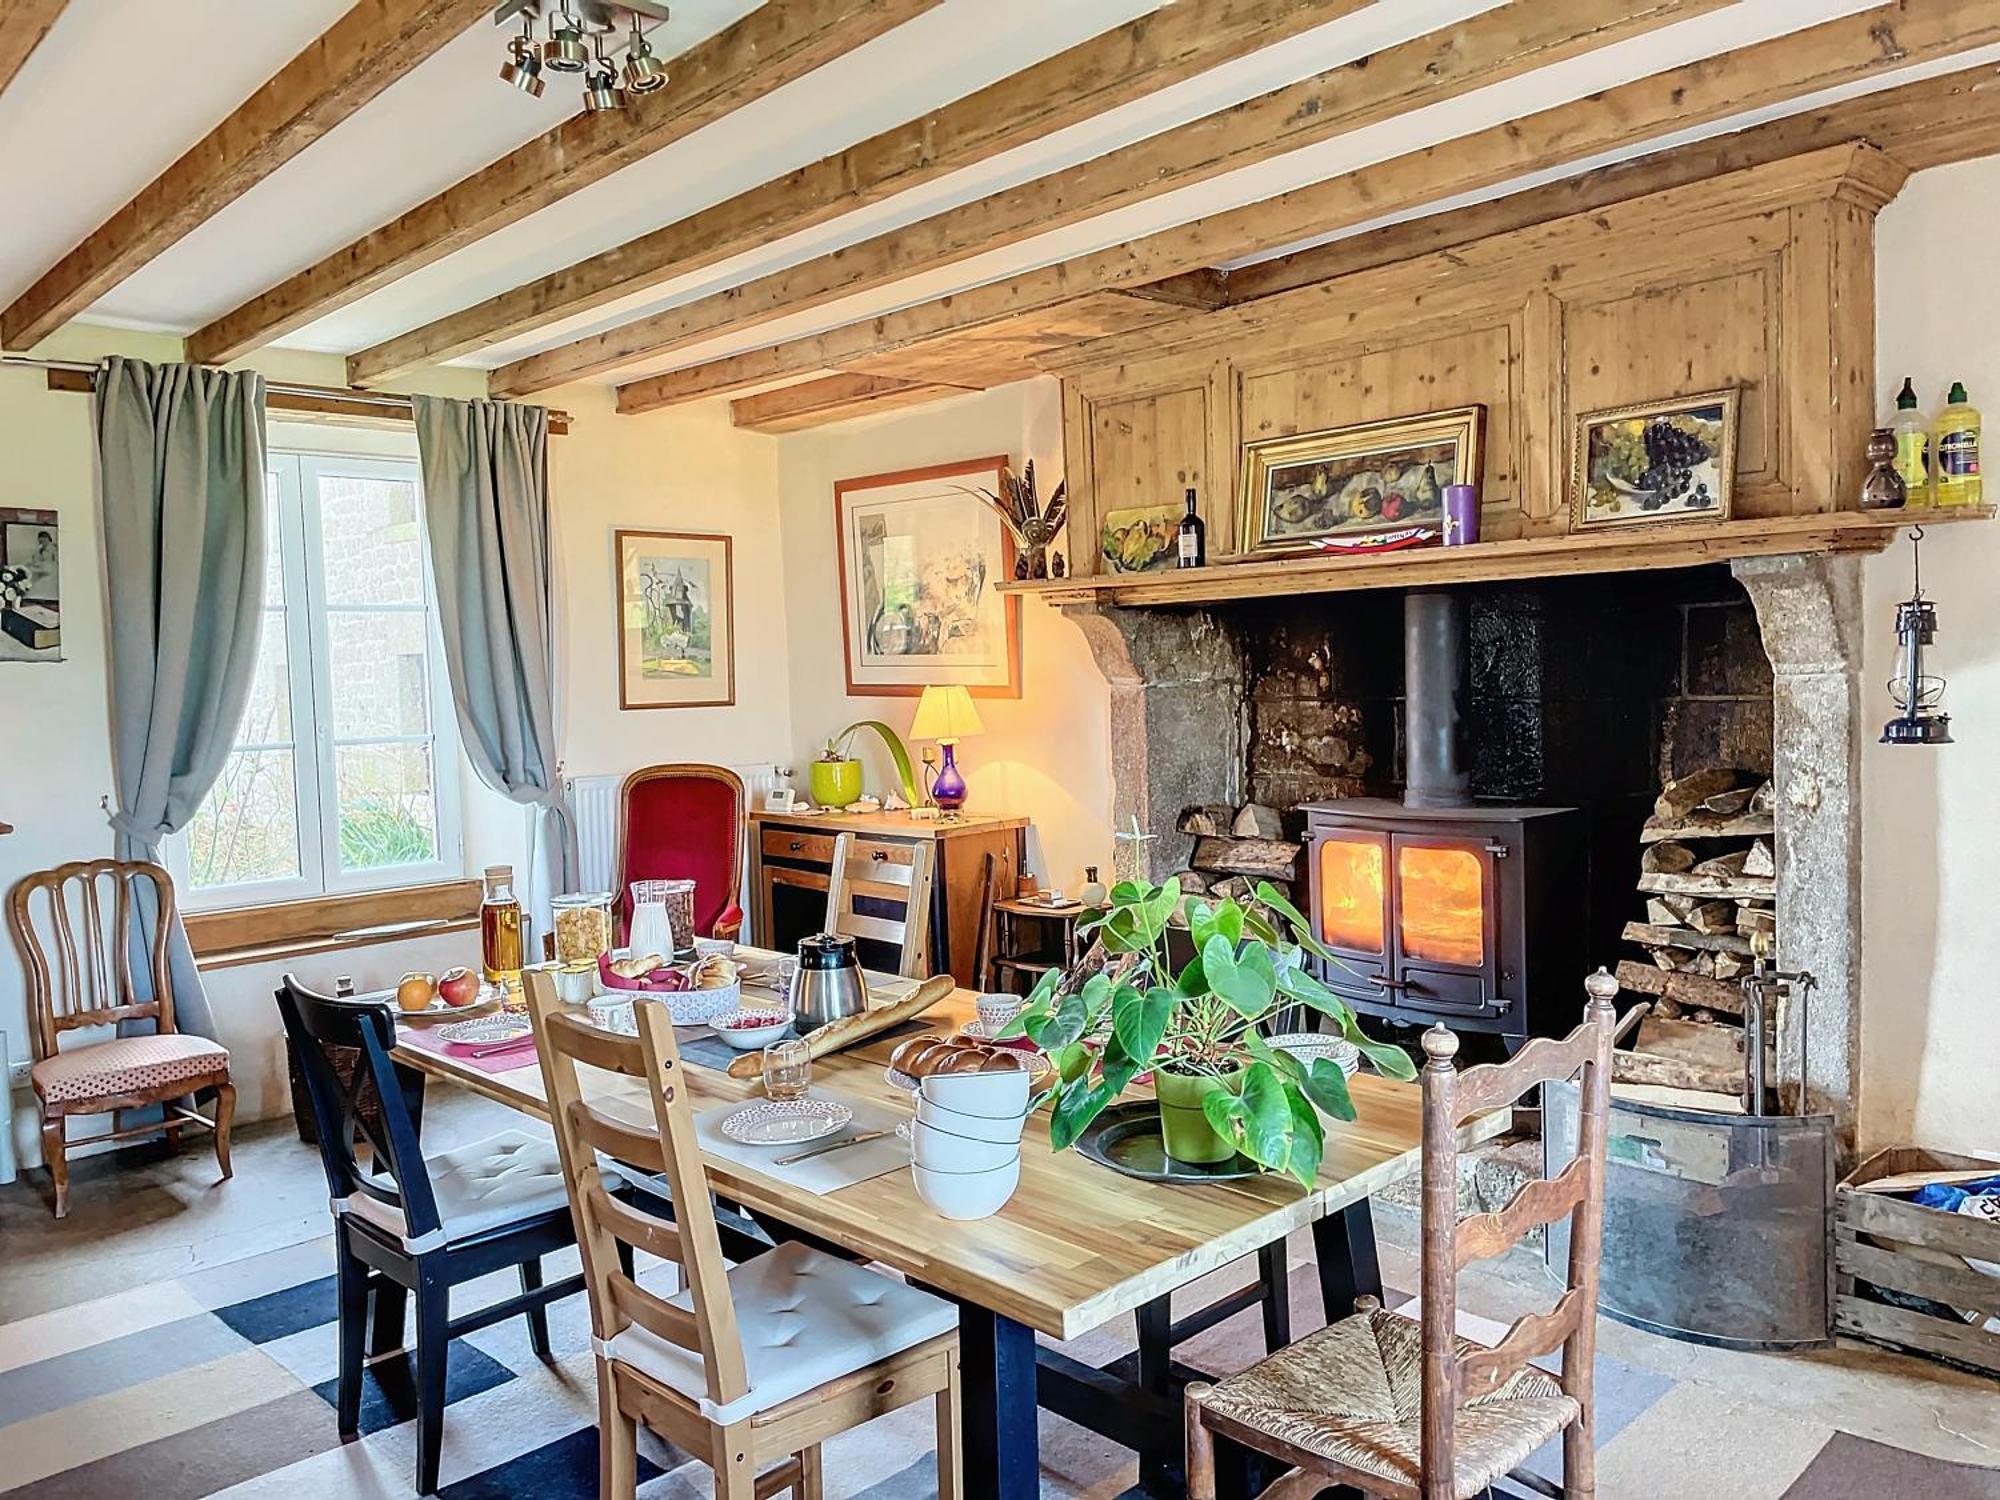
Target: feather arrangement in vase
{"points": [[1032, 527]]}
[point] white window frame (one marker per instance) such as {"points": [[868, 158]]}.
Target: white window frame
{"points": [[294, 475]]}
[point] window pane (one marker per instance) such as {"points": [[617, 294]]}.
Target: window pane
{"points": [[267, 717], [371, 538], [274, 545], [248, 828], [388, 806], [380, 673]]}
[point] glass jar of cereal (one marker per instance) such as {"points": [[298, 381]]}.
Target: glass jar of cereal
{"points": [[583, 927]]}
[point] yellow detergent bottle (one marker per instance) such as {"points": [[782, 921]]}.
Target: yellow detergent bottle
{"points": [[1957, 451], [1913, 446]]}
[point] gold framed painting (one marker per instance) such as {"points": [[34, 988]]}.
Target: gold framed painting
{"points": [[1355, 481], [676, 620], [1657, 461]]}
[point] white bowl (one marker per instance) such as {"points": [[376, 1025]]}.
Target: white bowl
{"points": [[967, 1195], [978, 1127], [998, 1096], [943, 1150], [707, 946], [750, 1038]]}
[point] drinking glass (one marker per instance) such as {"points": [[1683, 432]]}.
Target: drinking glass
{"points": [[788, 1070]]}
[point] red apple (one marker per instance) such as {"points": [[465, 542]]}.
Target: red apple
{"points": [[459, 987]]}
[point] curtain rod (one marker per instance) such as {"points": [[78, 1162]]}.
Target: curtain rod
{"points": [[75, 375]]}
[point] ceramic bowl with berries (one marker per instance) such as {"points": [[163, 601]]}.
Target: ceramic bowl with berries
{"points": [[748, 1030]]}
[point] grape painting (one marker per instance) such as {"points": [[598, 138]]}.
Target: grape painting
{"points": [[1671, 460]]}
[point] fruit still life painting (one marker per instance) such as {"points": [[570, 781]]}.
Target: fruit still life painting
{"points": [[1139, 538], [1356, 481], [1662, 461]]}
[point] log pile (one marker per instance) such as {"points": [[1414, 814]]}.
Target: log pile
{"points": [[1235, 847], [1708, 874]]}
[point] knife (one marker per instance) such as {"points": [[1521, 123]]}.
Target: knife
{"points": [[826, 1146]]}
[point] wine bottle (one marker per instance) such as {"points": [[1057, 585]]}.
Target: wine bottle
{"points": [[1194, 536]]}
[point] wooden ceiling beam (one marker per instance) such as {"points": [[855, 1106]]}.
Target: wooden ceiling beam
{"points": [[836, 398], [362, 53], [1880, 40], [1114, 68], [23, 24], [769, 48], [1504, 43]]}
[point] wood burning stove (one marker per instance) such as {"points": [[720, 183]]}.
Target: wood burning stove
{"points": [[1441, 908]]}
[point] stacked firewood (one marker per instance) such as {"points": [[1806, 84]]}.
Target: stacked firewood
{"points": [[1708, 874], [1235, 847]]}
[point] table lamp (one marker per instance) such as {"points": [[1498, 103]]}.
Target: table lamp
{"points": [[946, 714]]}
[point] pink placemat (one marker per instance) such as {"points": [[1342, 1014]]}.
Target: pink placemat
{"points": [[498, 1062]]}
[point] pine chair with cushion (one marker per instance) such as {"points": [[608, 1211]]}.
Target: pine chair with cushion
{"points": [[683, 822], [751, 1366], [1408, 1410], [79, 964]]}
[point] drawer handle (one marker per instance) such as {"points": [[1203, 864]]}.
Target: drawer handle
{"points": [[797, 845], [879, 855]]}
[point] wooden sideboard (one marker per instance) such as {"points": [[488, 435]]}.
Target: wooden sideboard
{"points": [[791, 856]]}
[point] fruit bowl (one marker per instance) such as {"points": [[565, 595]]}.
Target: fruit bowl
{"points": [[748, 1030]]}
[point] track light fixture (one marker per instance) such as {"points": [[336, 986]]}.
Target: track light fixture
{"points": [[577, 40]]}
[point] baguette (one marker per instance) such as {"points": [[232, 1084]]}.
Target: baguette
{"points": [[848, 1031]]}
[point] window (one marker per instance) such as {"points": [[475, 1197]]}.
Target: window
{"points": [[344, 775]]}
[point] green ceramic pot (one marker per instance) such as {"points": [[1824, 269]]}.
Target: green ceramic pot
{"points": [[1188, 1135], [836, 783]]}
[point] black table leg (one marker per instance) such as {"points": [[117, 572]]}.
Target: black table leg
{"points": [[1159, 1462], [1275, 1276], [1344, 1246], [996, 1360]]}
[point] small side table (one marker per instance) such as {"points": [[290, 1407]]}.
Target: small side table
{"points": [[1030, 938]]}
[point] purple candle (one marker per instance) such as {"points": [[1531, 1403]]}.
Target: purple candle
{"points": [[1461, 515]]}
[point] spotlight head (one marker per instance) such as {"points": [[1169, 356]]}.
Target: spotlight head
{"points": [[565, 51], [601, 91], [644, 73], [523, 68]]}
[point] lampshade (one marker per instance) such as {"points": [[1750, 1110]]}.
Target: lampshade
{"points": [[945, 713]]}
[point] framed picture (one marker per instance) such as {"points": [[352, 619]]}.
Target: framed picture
{"points": [[1140, 538], [1354, 481], [30, 585], [920, 559], [676, 620], [1669, 460]]}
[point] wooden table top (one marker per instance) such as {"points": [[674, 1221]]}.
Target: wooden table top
{"points": [[1078, 1244]]}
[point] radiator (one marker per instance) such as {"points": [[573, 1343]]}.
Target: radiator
{"points": [[593, 801]]}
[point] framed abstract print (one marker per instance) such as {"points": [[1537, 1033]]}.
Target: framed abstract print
{"points": [[676, 620]]}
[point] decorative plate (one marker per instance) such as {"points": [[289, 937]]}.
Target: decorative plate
{"points": [[1309, 1046], [785, 1122], [485, 1031], [438, 1012], [1127, 1139]]}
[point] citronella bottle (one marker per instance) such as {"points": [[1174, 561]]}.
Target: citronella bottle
{"points": [[1913, 447], [1958, 481]]}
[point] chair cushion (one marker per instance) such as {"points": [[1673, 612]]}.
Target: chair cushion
{"points": [[128, 1065], [500, 1180], [1352, 1393], [805, 1318]]}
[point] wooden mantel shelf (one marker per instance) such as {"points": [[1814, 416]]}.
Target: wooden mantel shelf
{"points": [[1669, 545]]}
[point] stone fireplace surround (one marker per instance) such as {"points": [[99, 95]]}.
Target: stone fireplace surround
{"points": [[1584, 691]]}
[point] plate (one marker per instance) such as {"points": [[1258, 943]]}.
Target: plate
{"points": [[1126, 1138], [1309, 1046], [785, 1122], [438, 1011], [485, 1031]]}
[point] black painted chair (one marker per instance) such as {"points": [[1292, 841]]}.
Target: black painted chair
{"points": [[409, 1224]]}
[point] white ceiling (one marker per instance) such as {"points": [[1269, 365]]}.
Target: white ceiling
{"points": [[121, 87]]}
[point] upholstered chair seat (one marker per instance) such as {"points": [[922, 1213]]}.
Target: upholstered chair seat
{"points": [[129, 1065]]}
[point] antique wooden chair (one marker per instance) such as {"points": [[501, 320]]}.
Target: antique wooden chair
{"points": [[405, 1223], [883, 875], [80, 974], [1412, 1411], [752, 1366], [683, 822]]}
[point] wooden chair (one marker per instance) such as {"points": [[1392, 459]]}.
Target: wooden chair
{"points": [[753, 1366], [683, 822], [883, 876], [406, 1223], [1409, 1411], [79, 968]]}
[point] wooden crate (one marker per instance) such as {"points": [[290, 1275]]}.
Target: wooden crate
{"points": [[1902, 1247]]}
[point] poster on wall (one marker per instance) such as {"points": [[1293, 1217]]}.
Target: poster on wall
{"points": [[676, 620], [920, 560], [30, 586]]}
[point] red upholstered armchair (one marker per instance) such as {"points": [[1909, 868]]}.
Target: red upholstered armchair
{"points": [[684, 822]]}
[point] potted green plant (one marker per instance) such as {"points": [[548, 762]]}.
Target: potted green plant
{"points": [[1222, 1087], [836, 775]]}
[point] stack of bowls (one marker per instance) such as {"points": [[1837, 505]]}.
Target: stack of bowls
{"points": [[965, 1148]]}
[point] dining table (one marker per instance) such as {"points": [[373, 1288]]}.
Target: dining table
{"points": [[1077, 1246]]}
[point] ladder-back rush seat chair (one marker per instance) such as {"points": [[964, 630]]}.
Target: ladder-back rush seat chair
{"points": [[751, 1366], [683, 822], [1410, 1410], [79, 964]]}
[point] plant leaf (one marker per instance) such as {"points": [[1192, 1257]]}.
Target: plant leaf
{"points": [[1201, 920], [1229, 921], [1286, 1064], [1269, 1128], [1247, 983], [1082, 1100], [1326, 1086], [1192, 981], [1140, 1021], [1308, 1143]]}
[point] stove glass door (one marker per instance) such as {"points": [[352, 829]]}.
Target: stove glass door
{"points": [[1351, 896], [1444, 894]]}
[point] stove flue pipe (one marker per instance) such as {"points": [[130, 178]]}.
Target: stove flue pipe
{"points": [[1434, 684]]}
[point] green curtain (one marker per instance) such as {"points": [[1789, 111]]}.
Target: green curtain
{"points": [[181, 474]]}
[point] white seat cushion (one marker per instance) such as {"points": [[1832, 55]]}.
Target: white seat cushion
{"points": [[805, 1319], [495, 1181]]}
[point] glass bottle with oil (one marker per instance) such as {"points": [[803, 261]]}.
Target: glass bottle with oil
{"points": [[500, 930]]}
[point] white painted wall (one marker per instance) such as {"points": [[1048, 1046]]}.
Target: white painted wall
{"points": [[1044, 755], [1931, 837]]}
